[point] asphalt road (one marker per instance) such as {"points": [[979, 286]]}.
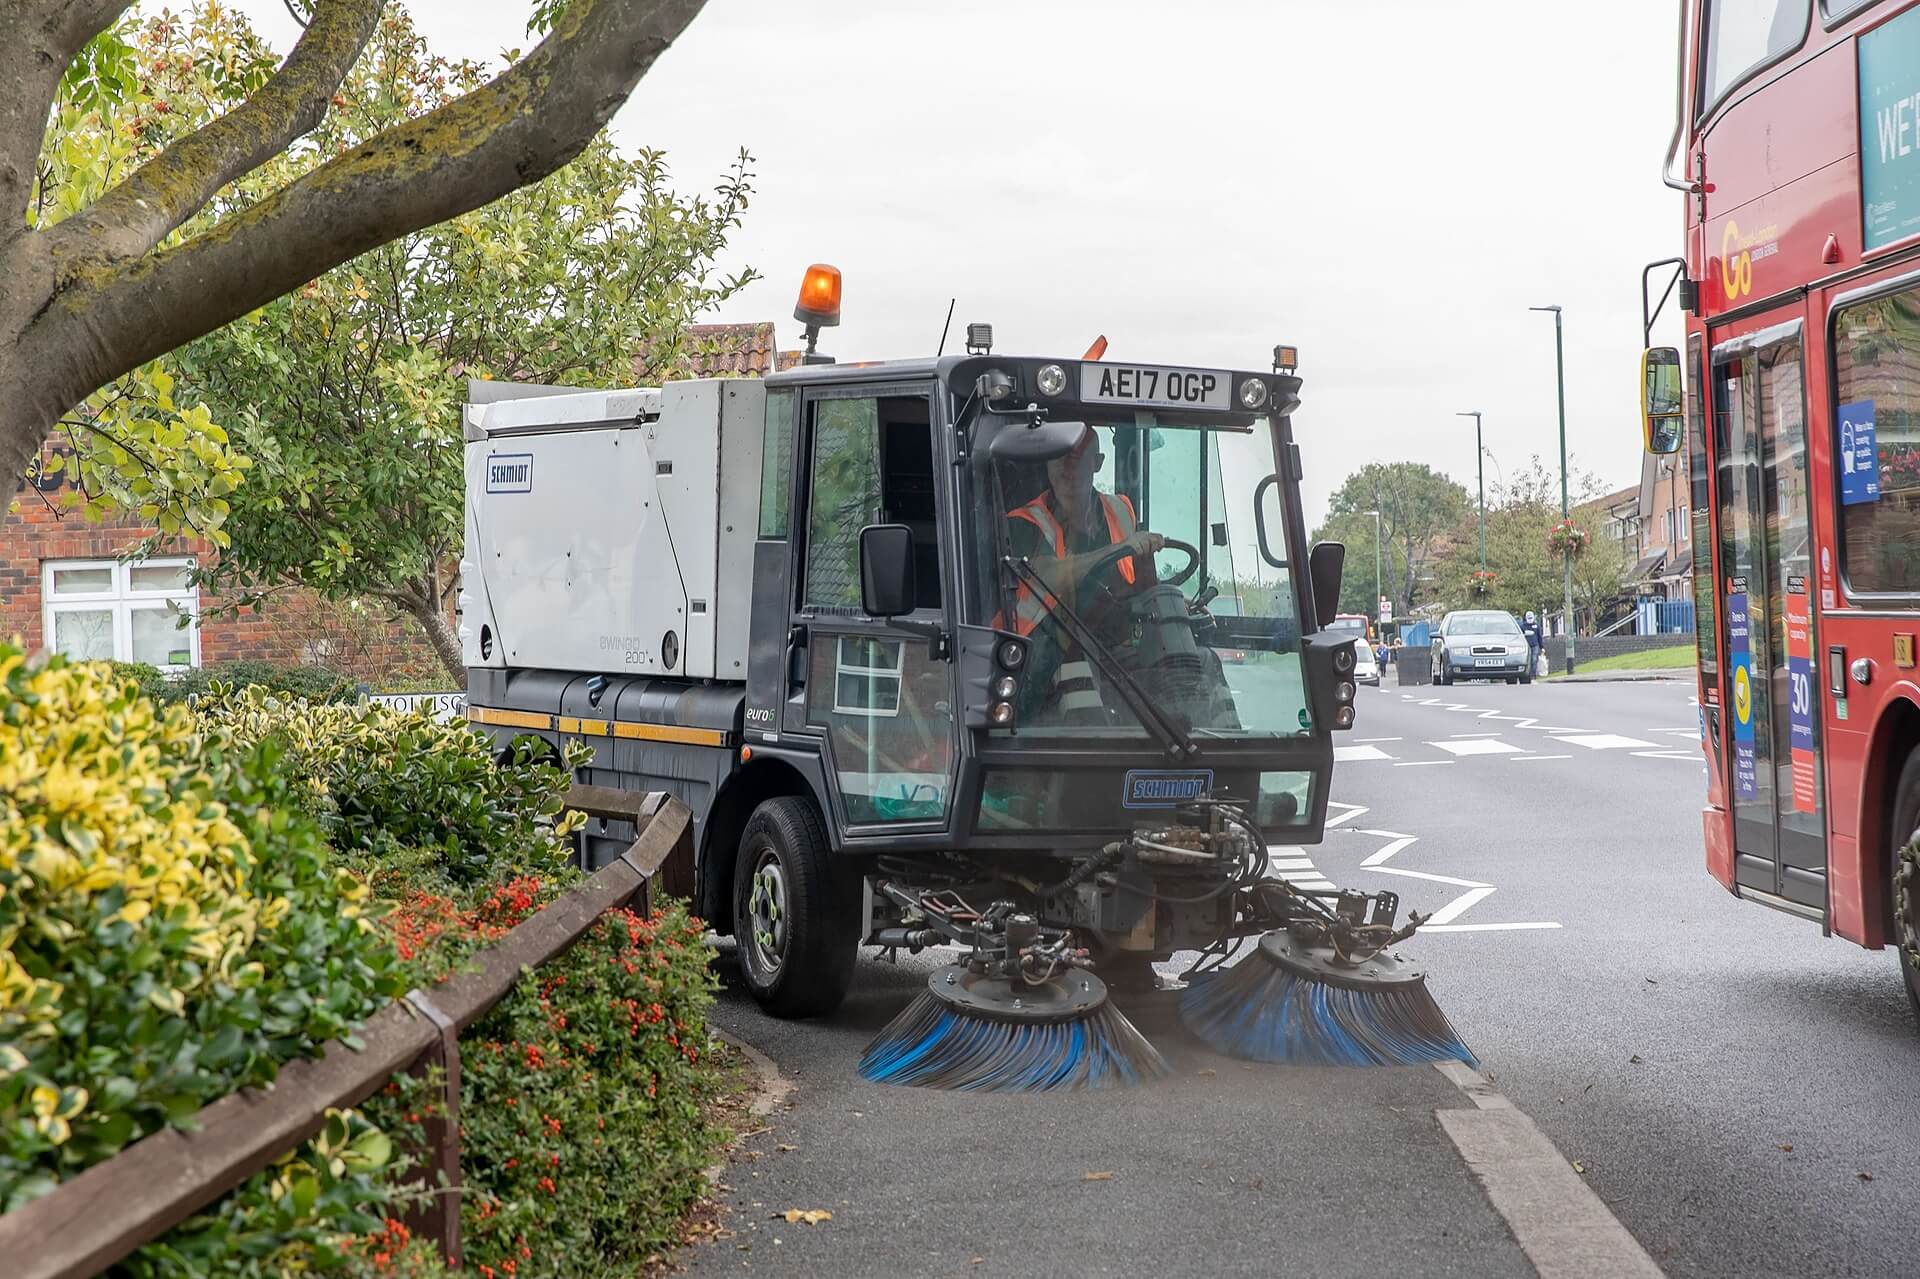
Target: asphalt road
{"points": [[1721, 1074]]}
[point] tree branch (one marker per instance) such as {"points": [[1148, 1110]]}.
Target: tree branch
{"points": [[173, 186], [509, 133], [40, 41]]}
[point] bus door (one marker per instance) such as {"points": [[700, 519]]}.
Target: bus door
{"points": [[1765, 589]]}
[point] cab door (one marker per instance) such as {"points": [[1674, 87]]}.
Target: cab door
{"points": [[878, 698], [1766, 615]]}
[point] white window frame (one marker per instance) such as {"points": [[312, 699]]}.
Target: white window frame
{"points": [[123, 600], [875, 676]]}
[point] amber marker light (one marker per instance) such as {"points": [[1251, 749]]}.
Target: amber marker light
{"points": [[819, 304]]}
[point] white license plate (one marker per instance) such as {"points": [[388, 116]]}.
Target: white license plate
{"points": [[1156, 387], [1489, 661]]}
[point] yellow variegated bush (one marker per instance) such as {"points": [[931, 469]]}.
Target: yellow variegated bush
{"points": [[171, 927]]}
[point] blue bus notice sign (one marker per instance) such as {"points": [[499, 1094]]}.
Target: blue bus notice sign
{"points": [[1890, 131], [1746, 777], [1857, 454]]}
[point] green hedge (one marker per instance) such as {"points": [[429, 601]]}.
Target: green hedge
{"points": [[310, 683], [190, 896]]}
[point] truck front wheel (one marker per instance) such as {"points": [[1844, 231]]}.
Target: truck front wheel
{"points": [[1904, 877], [795, 917]]}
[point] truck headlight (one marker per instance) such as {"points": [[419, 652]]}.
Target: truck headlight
{"points": [[1000, 714], [1004, 688], [1051, 379], [1012, 655], [1253, 393]]}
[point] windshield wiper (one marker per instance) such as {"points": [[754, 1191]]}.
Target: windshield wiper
{"points": [[1173, 739]]}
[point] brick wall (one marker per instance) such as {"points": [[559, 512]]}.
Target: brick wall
{"points": [[294, 629]]}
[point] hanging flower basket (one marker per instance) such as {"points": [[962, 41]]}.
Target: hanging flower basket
{"points": [[1480, 584], [1567, 538]]}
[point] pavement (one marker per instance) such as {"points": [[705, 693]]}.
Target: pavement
{"points": [[1713, 1078]]}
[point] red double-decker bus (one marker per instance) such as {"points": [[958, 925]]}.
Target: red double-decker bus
{"points": [[1797, 144]]}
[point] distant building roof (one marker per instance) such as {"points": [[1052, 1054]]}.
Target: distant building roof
{"points": [[1610, 503], [718, 350]]}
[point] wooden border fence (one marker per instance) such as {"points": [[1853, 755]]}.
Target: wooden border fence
{"points": [[114, 1208]]}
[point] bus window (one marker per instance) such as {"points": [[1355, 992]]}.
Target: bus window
{"points": [[1876, 359], [1745, 34]]}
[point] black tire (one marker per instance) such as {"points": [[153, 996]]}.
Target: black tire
{"points": [[1513, 679], [1526, 677], [797, 952], [1903, 878], [1445, 677]]}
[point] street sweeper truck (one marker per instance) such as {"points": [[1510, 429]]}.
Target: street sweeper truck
{"points": [[929, 648]]}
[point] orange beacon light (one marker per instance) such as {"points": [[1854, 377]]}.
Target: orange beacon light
{"points": [[819, 304]]}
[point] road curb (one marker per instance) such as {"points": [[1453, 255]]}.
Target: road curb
{"points": [[1564, 1228], [773, 1087], [1619, 677]]}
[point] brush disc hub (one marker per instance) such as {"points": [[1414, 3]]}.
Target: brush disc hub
{"points": [[1316, 963], [1066, 997]]}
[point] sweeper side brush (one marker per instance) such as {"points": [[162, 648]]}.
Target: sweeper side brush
{"points": [[1290, 1002], [976, 1032]]}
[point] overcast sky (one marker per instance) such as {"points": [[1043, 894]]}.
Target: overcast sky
{"points": [[1386, 184]]}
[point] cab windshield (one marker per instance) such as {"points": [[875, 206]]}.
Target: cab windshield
{"points": [[1147, 536]]}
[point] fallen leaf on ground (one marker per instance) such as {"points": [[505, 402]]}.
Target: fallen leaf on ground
{"points": [[784, 1146], [1208, 1073], [1787, 1146], [1634, 1060], [1864, 1176], [976, 1261], [1579, 1167], [810, 1216], [1099, 1176]]}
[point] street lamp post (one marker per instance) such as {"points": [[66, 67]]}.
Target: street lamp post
{"points": [[1480, 460], [1560, 381], [1378, 595]]}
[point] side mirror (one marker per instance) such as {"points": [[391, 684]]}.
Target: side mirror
{"points": [[886, 570], [1325, 561], [1661, 396], [1037, 442]]}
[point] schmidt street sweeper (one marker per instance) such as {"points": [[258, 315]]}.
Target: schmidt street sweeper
{"points": [[1020, 655]]}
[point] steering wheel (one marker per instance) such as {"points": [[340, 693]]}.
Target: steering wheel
{"points": [[1121, 550]]}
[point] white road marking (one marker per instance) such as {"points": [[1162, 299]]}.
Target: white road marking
{"points": [[1528, 759], [1374, 739], [1478, 746], [1429, 875], [1379, 858], [1694, 755], [1421, 763], [1605, 742], [1460, 905], [1348, 812], [1473, 734], [1357, 754], [1483, 928]]}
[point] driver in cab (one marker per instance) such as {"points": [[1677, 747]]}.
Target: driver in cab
{"points": [[1069, 528], [1069, 533]]}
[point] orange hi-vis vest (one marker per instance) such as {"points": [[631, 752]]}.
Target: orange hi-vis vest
{"points": [[1028, 607]]}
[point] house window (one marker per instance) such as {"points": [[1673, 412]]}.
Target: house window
{"points": [[125, 612], [1684, 525], [867, 676]]}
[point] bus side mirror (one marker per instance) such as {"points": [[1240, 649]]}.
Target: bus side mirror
{"points": [[1324, 564], [886, 570], [1660, 399]]}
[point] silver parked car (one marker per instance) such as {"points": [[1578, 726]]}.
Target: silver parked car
{"points": [[1480, 644]]}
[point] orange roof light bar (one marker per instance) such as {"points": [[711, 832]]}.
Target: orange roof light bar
{"points": [[819, 304], [1098, 349]]}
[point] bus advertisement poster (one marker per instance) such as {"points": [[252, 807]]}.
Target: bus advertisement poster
{"points": [[1800, 694], [1889, 162], [1746, 782]]}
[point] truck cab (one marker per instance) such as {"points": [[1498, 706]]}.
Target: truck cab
{"points": [[918, 636]]}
